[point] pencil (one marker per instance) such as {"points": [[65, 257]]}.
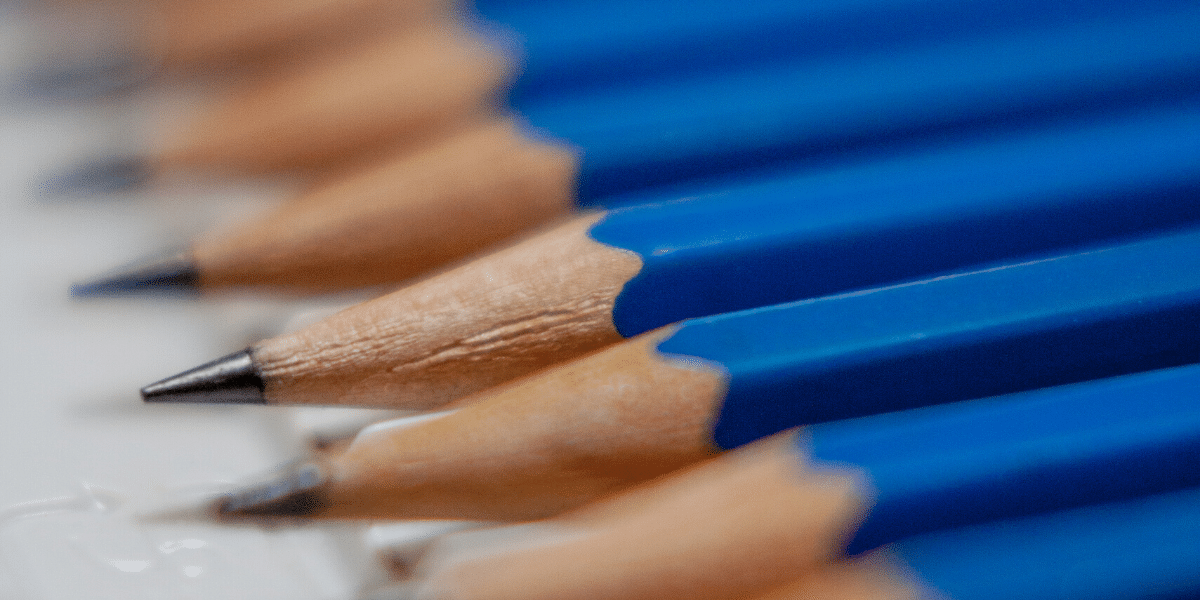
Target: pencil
{"points": [[368, 94], [672, 397], [601, 278], [192, 35], [713, 125], [1142, 548], [391, 92], [762, 515]]}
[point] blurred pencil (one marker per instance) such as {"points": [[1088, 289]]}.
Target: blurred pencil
{"points": [[732, 124], [368, 94], [670, 398], [601, 278], [1133, 550], [761, 516]]}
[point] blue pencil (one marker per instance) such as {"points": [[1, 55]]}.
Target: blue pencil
{"points": [[772, 511], [736, 247], [406, 217], [571, 47], [676, 395], [1140, 549]]}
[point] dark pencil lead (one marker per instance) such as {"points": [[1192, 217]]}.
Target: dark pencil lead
{"points": [[105, 176], [297, 492], [173, 273], [232, 379], [103, 74]]}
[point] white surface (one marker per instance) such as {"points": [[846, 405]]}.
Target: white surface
{"points": [[80, 455]]}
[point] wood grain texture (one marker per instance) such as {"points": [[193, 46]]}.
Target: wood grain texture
{"points": [[734, 527], [391, 92], [398, 219], [543, 301], [545, 444]]}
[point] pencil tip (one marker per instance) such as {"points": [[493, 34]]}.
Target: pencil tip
{"points": [[175, 272], [105, 73], [232, 379], [297, 492], [101, 176]]}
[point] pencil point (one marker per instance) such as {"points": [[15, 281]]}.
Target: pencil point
{"points": [[173, 273], [298, 492], [101, 176], [232, 379], [102, 74]]}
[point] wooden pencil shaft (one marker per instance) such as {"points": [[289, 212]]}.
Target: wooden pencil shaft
{"points": [[1095, 313], [612, 549], [625, 415], [572, 47], [465, 74], [741, 245], [351, 249], [1138, 548], [800, 113], [530, 308], [969, 462]]}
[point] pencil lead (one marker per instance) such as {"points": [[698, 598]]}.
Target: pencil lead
{"points": [[101, 176], [297, 492], [103, 74], [232, 379], [175, 272]]}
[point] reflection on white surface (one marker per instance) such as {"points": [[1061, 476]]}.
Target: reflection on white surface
{"points": [[69, 375], [72, 548]]}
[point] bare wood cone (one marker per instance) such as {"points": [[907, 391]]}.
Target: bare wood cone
{"points": [[392, 92], [535, 448], [734, 527], [400, 218], [212, 31], [489, 321]]}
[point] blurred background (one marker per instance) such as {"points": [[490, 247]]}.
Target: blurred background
{"points": [[82, 456]]}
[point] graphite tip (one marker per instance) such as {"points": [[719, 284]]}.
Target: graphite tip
{"points": [[94, 75], [100, 176], [232, 379], [172, 273], [297, 492]]}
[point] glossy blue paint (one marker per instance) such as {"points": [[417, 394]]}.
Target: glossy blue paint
{"points": [[877, 222], [1110, 311], [1021, 454], [571, 46], [637, 136], [1135, 550]]}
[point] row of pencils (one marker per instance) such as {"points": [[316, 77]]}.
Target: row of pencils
{"points": [[716, 299]]}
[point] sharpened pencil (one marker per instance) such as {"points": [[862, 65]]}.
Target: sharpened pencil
{"points": [[381, 97], [662, 400], [601, 278], [359, 98], [627, 141], [739, 525]]}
